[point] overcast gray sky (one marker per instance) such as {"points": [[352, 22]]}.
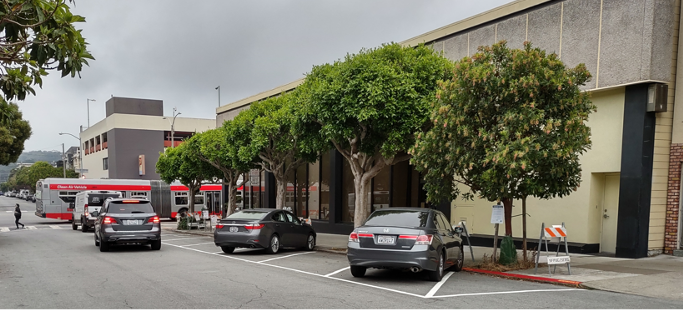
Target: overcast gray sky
{"points": [[179, 51]]}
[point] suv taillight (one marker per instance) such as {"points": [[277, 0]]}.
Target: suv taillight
{"points": [[108, 220], [354, 237], [154, 219], [424, 239]]}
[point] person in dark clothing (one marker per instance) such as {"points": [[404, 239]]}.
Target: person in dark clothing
{"points": [[17, 216]]}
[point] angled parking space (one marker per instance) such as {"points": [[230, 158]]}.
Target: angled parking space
{"points": [[321, 263]]}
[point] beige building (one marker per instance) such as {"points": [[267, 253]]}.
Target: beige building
{"points": [[628, 203], [127, 143]]}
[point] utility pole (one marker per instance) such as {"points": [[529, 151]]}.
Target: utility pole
{"points": [[63, 161], [88, 105], [219, 94], [172, 123]]}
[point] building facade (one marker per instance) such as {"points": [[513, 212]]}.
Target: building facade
{"points": [[628, 202], [127, 143]]}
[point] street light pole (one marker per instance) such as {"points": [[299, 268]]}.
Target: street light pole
{"points": [[88, 105], [173, 123], [219, 94], [63, 161], [80, 158]]}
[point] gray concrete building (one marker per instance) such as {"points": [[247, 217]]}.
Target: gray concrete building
{"points": [[127, 143]]}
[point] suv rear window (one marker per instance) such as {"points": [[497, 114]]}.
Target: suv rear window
{"points": [[247, 215], [402, 218], [128, 207]]}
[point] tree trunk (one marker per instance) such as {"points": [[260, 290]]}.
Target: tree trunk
{"points": [[361, 201], [192, 200], [508, 209], [524, 227], [281, 186], [232, 204]]}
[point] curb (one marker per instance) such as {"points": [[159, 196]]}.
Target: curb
{"points": [[525, 277]]}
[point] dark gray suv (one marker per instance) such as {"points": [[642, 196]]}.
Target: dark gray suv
{"points": [[127, 221]]}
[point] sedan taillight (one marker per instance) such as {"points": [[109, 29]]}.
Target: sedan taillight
{"points": [[108, 220], [154, 219], [354, 237], [219, 226], [424, 239], [254, 226]]}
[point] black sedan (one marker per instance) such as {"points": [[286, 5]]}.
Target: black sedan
{"points": [[263, 228], [405, 238]]}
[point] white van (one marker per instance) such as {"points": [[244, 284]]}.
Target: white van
{"points": [[87, 205]]}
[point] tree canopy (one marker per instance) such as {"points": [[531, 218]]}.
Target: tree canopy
{"points": [[38, 36], [14, 130], [369, 105], [26, 177], [273, 141], [509, 124]]}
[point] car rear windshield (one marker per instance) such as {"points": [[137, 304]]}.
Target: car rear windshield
{"points": [[402, 218], [97, 200], [121, 207], [247, 215]]}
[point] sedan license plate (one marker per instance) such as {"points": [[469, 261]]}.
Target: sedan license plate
{"points": [[386, 239], [132, 222], [233, 229]]}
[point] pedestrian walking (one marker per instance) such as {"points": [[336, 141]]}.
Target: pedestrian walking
{"points": [[17, 216]]}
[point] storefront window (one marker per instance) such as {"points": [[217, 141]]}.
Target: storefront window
{"points": [[262, 190], [415, 186], [381, 188], [290, 192], [325, 186], [348, 193], [400, 182], [314, 190], [301, 188]]}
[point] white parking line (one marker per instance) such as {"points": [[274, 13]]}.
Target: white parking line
{"points": [[30, 227], [368, 285], [194, 244], [185, 238], [286, 256], [4, 229], [336, 272], [55, 227], [438, 285]]}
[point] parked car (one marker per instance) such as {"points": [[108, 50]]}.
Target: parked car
{"points": [[417, 239], [127, 221], [29, 197], [88, 203], [263, 228]]}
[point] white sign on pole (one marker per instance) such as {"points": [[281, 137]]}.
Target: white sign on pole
{"points": [[497, 214], [557, 260], [205, 214], [214, 220]]}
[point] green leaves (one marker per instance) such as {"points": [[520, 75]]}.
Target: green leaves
{"points": [[38, 36], [14, 131], [514, 122]]}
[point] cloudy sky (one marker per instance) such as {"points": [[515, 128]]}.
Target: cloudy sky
{"points": [[179, 51]]}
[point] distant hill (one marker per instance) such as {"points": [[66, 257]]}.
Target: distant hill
{"points": [[30, 157]]}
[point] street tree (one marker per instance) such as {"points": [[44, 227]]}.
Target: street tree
{"points": [[509, 124], [215, 150], [369, 105], [182, 163], [14, 130], [38, 36], [271, 141]]}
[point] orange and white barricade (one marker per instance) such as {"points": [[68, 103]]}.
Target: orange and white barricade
{"points": [[555, 231]]}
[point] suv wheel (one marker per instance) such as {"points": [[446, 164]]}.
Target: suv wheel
{"points": [[73, 226], [84, 227], [358, 271], [104, 246], [156, 245]]}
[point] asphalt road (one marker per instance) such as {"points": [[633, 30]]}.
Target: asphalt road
{"points": [[48, 265]]}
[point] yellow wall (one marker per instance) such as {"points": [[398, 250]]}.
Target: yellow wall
{"points": [[579, 210]]}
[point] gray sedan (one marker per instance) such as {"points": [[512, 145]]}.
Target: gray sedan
{"points": [[405, 238], [263, 228]]}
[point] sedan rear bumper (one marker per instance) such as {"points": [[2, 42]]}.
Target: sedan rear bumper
{"points": [[240, 240], [394, 259]]}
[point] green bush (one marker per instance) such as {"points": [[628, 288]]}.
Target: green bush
{"points": [[508, 254]]}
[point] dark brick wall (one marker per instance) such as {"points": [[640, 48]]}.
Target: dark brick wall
{"points": [[673, 188]]}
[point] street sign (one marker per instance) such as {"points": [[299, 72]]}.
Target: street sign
{"points": [[497, 214], [558, 260], [81, 170]]}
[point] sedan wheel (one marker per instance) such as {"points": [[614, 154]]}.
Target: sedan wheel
{"points": [[437, 275], [227, 249], [459, 262], [274, 245], [358, 271], [310, 242]]}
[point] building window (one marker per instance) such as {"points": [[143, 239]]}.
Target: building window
{"points": [[105, 163], [325, 186], [301, 191], [314, 190], [381, 189], [348, 193]]}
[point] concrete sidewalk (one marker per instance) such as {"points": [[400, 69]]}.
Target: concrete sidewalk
{"points": [[659, 276]]}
